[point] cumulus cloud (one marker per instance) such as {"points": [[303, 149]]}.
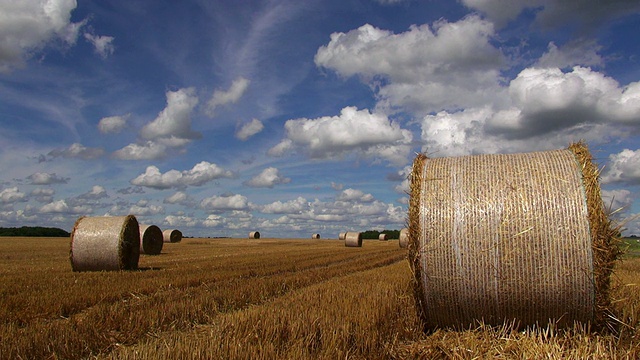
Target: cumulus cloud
{"points": [[113, 124], [11, 195], [77, 151], [268, 178], [27, 26], [288, 207], [354, 195], [617, 201], [179, 197], [43, 195], [150, 150], [584, 53], [144, 208], [225, 203], [370, 135], [180, 220], [221, 97], [61, 207], [426, 69], [174, 121], [103, 45], [199, 175], [249, 129], [214, 221], [623, 167], [46, 179]]}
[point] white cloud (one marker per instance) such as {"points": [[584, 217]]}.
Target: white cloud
{"points": [[11, 195], [370, 135], [150, 150], [179, 197], [61, 207], [448, 66], [225, 203], [77, 151], [174, 121], [268, 178], [617, 201], [29, 25], [583, 53], [288, 207], [43, 195], [103, 45], [46, 179], [213, 221], [220, 97], [249, 129], [180, 220], [623, 167], [200, 174], [146, 209], [354, 195], [113, 124]]}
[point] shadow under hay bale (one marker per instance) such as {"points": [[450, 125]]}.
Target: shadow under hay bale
{"points": [[151, 240], [254, 235], [404, 238], [172, 236], [105, 243], [520, 238], [353, 239]]}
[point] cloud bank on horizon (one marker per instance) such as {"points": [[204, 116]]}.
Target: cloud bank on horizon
{"points": [[295, 118]]}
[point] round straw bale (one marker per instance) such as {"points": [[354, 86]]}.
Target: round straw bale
{"points": [[404, 238], [342, 235], [151, 239], [105, 243], [315, 236], [383, 237], [353, 239], [254, 235], [172, 236], [520, 238]]}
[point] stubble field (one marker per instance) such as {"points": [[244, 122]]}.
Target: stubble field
{"points": [[269, 299]]}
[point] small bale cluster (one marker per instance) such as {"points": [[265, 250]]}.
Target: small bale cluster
{"points": [[108, 243], [383, 237], [518, 238], [353, 239], [315, 236], [151, 240], [404, 238], [254, 235], [172, 236]]}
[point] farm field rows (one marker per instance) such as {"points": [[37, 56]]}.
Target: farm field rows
{"points": [[268, 298]]}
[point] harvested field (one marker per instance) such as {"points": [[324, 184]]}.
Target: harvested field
{"points": [[267, 298]]}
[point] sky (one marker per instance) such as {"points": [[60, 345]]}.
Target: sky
{"points": [[293, 117]]}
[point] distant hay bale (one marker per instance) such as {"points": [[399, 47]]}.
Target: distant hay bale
{"points": [[342, 235], [151, 240], [383, 237], [105, 243], [353, 239], [315, 236], [172, 236], [254, 235], [520, 238], [404, 238]]}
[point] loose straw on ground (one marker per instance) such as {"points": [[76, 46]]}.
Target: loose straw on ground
{"points": [[105, 243], [352, 239], [172, 236], [151, 240], [518, 238]]}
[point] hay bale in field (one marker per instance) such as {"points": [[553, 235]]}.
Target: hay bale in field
{"points": [[404, 238], [520, 237], [342, 235], [254, 235], [383, 237], [151, 240], [172, 236], [315, 236], [353, 239], [105, 243]]}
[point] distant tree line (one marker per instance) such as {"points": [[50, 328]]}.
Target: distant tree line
{"points": [[33, 231], [373, 234]]}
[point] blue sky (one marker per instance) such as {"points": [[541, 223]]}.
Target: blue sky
{"points": [[299, 117]]}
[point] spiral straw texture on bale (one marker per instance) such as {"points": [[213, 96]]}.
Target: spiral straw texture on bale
{"points": [[404, 238], [151, 240], [172, 236], [105, 243], [518, 238], [353, 239]]}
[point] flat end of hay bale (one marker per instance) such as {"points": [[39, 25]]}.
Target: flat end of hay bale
{"points": [[151, 240]]}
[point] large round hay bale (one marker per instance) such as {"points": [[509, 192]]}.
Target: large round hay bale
{"points": [[383, 237], [315, 236], [404, 238], [353, 239], [342, 235], [172, 236], [105, 243], [151, 240], [254, 235], [518, 238]]}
